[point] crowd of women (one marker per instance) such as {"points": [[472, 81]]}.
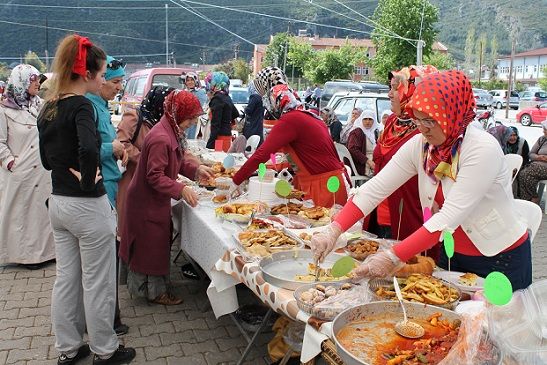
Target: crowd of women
{"points": [[80, 191]]}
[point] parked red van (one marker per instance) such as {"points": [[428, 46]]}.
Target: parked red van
{"points": [[140, 82]]}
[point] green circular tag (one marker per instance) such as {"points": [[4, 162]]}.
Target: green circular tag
{"points": [[283, 188], [448, 243], [497, 288], [261, 170], [333, 184]]}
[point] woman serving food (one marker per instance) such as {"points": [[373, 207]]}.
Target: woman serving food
{"points": [[460, 169], [303, 136]]}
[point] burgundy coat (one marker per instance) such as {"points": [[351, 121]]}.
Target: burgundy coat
{"points": [[146, 230]]}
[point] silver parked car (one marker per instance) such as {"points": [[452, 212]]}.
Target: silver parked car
{"points": [[344, 103], [500, 99], [482, 98]]}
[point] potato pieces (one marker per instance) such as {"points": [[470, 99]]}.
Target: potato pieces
{"points": [[361, 248], [267, 240], [421, 288]]}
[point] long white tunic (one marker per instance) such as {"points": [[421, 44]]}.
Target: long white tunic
{"points": [[25, 232]]}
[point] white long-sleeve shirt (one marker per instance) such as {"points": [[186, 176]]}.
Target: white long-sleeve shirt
{"points": [[480, 200]]}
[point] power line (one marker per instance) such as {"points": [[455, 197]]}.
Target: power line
{"points": [[276, 17], [112, 35], [381, 28], [195, 12]]}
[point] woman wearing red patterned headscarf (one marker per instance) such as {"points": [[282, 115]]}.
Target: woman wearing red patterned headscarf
{"points": [[398, 130], [146, 230], [462, 171], [306, 139]]}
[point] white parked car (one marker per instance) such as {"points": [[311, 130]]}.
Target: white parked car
{"points": [[240, 97]]}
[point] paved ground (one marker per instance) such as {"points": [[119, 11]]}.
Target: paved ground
{"points": [[187, 334]]}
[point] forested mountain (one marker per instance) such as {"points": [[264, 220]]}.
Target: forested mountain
{"points": [[136, 28]]}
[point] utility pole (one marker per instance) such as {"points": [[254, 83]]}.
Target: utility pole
{"points": [[166, 34], [510, 83], [419, 52], [203, 57], [480, 63], [236, 50], [47, 47]]}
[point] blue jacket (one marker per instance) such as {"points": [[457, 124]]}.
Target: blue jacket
{"points": [[109, 167]]}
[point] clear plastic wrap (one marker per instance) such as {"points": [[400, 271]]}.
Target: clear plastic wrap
{"points": [[344, 299], [520, 327], [473, 346]]}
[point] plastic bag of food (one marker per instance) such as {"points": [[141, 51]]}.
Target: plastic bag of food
{"points": [[330, 307], [473, 345]]}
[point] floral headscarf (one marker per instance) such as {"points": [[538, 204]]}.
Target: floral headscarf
{"points": [[401, 127], [152, 105], [252, 89], [447, 97], [16, 94], [267, 78], [217, 81], [282, 99], [194, 76], [181, 105], [501, 133], [331, 116]]}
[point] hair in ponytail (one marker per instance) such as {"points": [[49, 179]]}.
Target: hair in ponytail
{"points": [[63, 70]]}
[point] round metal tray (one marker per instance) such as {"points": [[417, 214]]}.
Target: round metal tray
{"points": [[280, 268]]}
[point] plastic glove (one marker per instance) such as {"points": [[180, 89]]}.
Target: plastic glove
{"points": [[234, 191], [323, 243], [379, 265]]}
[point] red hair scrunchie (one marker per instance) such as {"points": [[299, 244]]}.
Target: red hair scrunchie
{"points": [[80, 66]]}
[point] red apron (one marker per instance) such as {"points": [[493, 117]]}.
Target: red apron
{"points": [[226, 142], [315, 186]]}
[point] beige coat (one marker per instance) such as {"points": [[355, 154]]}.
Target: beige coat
{"points": [[25, 233]]}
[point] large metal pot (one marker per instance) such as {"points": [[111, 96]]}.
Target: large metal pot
{"points": [[394, 313]]}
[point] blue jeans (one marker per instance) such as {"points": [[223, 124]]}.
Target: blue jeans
{"points": [[515, 264]]}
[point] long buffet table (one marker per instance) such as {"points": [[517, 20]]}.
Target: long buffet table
{"points": [[209, 242]]}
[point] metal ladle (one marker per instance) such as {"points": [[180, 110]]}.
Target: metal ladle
{"points": [[405, 327]]}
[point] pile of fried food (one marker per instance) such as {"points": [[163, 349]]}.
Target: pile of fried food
{"points": [[239, 208], [324, 275], [468, 279], [360, 248], [294, 194], [431, 349], [218, 171], [289, 208], [263, 243], [258, 223], [318, 216], [421, 288], [219, 199]]}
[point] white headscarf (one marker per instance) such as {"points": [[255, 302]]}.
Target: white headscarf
{"points": [[16, 94], [369, 132]]}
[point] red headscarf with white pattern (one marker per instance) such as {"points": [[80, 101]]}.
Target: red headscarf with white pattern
{"points": [[447, 97]]}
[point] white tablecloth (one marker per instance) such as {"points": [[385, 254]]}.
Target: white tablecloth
{"points": [[205, 238]]}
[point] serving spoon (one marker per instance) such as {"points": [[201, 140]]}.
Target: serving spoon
{"points": [[405, 327]]}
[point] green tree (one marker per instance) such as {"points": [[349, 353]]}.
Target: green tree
{"points": [[332, 64], [443, 61], [480, 52], [32, 58], [543, 80], [242, 70], [493, 58], [469, 51], [4, 71], [299, 55], [403, 17], [277, 50], [236, 69]]}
